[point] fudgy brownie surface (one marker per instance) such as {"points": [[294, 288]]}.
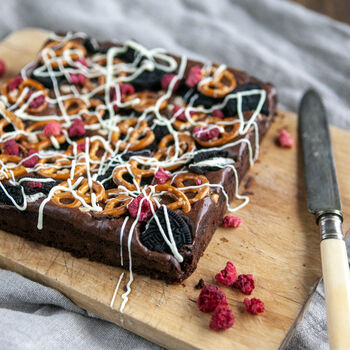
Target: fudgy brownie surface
{"points": [[114, 152]]}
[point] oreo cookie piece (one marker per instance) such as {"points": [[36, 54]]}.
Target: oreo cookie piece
{"points": [[129, 55], [206, 101], [108, 184], [46, 81], [91, 45], [205, 155], [14, 191], [159, 132], [152, 238], [249, 103], [45, 187], [149, 80], [142, 152]]}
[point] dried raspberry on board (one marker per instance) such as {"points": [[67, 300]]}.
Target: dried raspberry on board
{"points": [[285, 139], [205, 133], [77, 128], [210, 297], [194, 76], [146, 211], [232, 221], [166, 80], [161, 176], [2, 68], [77, 79], [31, 159], [11, 147], [222, 318], [228, 275], [15, 83], [245, 283], [254, 306], [52, 129]]}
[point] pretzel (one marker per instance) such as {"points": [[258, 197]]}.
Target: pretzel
{"points": [[116, 202], [139, 138], [181, 201], [200, 192], [59, 47], [166, 150], [147, 99], [11, 96], [74, 105], [83, 191], [33, 85], [133, 170], [181, 125], [225, 135], [8, 118], [92, 118], [97, 150], [6, 171], [217, 85], [43, 141]]}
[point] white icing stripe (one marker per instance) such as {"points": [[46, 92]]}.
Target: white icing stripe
{"points": [[116, 290]]}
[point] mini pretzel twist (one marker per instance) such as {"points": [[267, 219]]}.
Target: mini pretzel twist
{"points": [[182, 125], [9, 166], [74, 105], [93, 112], [147, 99], [217, 85], [116, 202], [181, 200], [33, 86], [136, 173], [42, 141], [60, 48], [228, 131], [9, 118], [139, 138], [61, 197], [166, 149], [200, 192]]}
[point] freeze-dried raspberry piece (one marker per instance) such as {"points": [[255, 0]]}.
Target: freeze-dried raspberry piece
{"points": [[77, 128], [217, 113], [15, 83], [33, 184], [228, 275], [161, 176], [205, 133], [126, 89], [32, 159], [37, 102], [180, 115], [198, 182], [2, 68], [285, 139], [11, 147], [52, 129], [245, 283], [232, 221], [166, 80], [82, 61], [77, 79], [222, 318], [254, 306], [146, 211], [194, 76], [210, 297], [81, 147]]}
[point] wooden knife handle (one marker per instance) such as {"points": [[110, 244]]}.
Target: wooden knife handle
{"points": [[336, 278]]}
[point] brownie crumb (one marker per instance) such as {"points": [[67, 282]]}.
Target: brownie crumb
{"points": [[249, 182], [223, 239], [200, 284]]}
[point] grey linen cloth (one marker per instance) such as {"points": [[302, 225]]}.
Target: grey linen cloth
{"points": [[275, 40]]}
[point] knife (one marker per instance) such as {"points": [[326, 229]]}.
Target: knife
{"points": [[323, 200]]}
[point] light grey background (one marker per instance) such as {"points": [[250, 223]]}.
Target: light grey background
{"points": [[273, 39]]}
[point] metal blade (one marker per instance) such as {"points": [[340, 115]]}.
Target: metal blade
{"points": [[322, 192]]}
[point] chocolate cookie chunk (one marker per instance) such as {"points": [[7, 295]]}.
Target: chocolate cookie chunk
{"points": [[149, 80], [44, 187], [205, 155], [14, 191], [153, 239]]}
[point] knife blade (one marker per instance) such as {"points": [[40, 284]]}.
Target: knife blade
{"points": [[323, 200]]}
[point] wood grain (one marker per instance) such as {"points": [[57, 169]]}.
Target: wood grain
{"points": [[278, 243]]}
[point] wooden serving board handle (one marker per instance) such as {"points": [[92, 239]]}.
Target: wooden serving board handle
{"points": [[336, 278]]}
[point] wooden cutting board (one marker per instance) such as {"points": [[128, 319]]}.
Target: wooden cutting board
{"points": [[278, 243]]}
